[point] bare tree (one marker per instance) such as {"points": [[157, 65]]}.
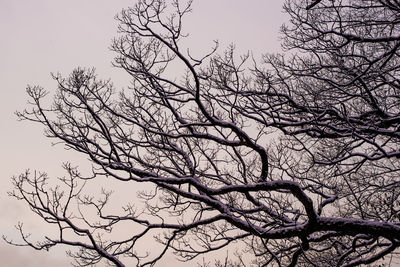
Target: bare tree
{"points": [[294, 160]]}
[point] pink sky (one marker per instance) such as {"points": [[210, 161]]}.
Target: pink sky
{"points": [[43, 36]]}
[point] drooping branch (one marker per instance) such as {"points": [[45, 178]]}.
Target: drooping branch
{"points": [[293, 159]]}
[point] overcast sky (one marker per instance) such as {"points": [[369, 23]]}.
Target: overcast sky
{"points": [[43, 36]]}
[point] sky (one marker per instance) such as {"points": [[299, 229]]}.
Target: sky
{"points": [[43, 36]]}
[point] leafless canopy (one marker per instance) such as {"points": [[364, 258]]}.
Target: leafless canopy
{"points": [[293, 160]]}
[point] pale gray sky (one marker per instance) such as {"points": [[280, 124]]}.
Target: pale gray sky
{"points": [[43, 36]]}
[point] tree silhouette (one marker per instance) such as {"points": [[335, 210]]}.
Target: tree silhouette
{"points": [[294, 159]]}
